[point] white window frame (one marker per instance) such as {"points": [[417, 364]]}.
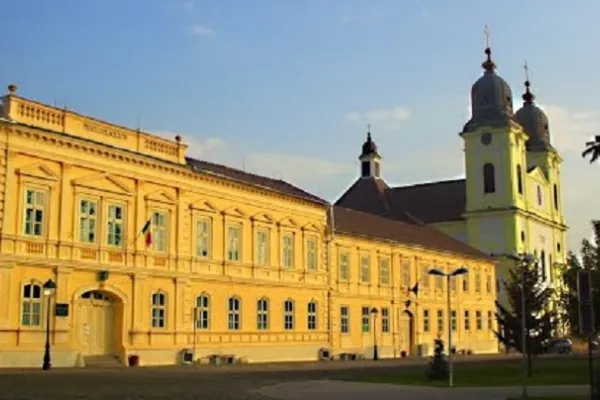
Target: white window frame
{"points": [[440, 321], [467, 320], [312, 251], [406, 272], [112, 222], [344, 266], [160, 232], [453, 320], [365, 318], [88, 222], [384, 271], [311, 315], [203, 311], [478, 320], [36, 206], [426, 321], [158, 315], [262, 246], [288, 315], [287, 250], [262, 314], [234, 242], [385, 320], [344, 319], [203, 237], [32, 306], [365, 268], [234, 306]]}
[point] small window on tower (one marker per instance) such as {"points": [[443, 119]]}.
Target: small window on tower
{"points": [[377, 170], [519, 180], [489, 178], [555, 189], [539, 195], [366, 169]]}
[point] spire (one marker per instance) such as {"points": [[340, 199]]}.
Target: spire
{"points": [[369, 133], [528, 97], [488, 65]]}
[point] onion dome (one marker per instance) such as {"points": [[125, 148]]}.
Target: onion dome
{"points": [[534, 122], [369, 147]]}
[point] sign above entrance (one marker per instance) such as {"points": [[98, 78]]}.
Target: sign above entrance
{"points": [[61, 310]]}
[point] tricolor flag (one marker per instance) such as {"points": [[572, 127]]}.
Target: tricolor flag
{"points": [[148, 232]]}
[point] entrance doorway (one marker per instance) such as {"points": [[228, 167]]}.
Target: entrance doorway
{"points": [[95, 326], [407, 332]]}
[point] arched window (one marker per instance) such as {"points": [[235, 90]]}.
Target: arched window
{"points": [[202, 311], [543, 265], [539, 195], [312, 316], [555, 190], [159, 310], [489, 178], [519, 179], [262, 314], [233, 313], [32, 305], [288, 315]]}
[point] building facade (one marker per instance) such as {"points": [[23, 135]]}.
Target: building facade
{"points": [[231, 263], [510, 201]]}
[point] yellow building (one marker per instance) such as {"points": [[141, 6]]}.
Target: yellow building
{"points": [[231, 263], [510, 201]]}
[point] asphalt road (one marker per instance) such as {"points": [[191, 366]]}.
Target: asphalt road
{"points": [[225, 382]]}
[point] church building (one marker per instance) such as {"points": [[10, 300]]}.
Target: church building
{"points": [[510, 200]]}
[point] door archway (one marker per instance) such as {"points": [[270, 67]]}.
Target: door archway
{"points": [[98, 324]]}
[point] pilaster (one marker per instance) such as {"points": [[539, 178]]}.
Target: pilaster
{"points": [[7, 295], [63, 294], [138, 306]]}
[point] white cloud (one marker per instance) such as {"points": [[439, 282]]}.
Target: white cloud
{"points": [[346, 19], [202, 30], [383, 118]]}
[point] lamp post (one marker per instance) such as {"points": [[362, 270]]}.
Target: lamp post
{"points": [[49, 289], [437, 272], [374, 312], [523, 260]]}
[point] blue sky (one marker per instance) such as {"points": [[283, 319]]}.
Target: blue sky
{"points": [[286, 87]]}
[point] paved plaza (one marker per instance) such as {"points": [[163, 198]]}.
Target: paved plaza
{"points": [[314, 381]]}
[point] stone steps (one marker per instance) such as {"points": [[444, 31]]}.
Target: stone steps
{"points": [[103, 362]]}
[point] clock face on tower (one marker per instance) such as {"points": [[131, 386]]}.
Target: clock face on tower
{"points": [[486, 138]]}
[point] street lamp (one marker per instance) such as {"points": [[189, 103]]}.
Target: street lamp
{"points": [[523, 260], [374, 312], [438, 272], [49, 289]]}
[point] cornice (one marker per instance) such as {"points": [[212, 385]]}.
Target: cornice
{"points": [[92, 148]]}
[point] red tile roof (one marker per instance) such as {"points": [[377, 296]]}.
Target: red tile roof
{"points": [[367, 225], [276, 185]]}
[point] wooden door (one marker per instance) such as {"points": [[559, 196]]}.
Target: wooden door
{"points": [[96, 314]]}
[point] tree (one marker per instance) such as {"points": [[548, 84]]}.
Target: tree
{"points": [[438, 367], [589, 260], [539, 319], [592, 148]]}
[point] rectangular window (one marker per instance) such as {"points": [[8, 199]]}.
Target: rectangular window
{"points": [[262, 247], [287, 246], [344, 319], [32, 305], [488, 283], [425, 321], [344, 267], [159, 231], [159, 310], [202, 311], [384, 271], [385, 320], [439, 283], [490, 316], [114, 225], [365, 269], [453, 320], [478, 320], [203, 233], [311, 254], [233, 314], [477, 282], [467, 321], [262, 314], [453, 284], [87, 221], [34, 212], [234, 242], [425, 276], [288, 315], [366, 319], [406, 272], [312, 316], [465, 283], [440, 321]]}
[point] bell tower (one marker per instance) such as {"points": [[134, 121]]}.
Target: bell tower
{"points": [[370, 160]]}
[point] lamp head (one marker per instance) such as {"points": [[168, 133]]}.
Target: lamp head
{"points": [[436, 271], [374, 311], [460, 271], [49, 288]]}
